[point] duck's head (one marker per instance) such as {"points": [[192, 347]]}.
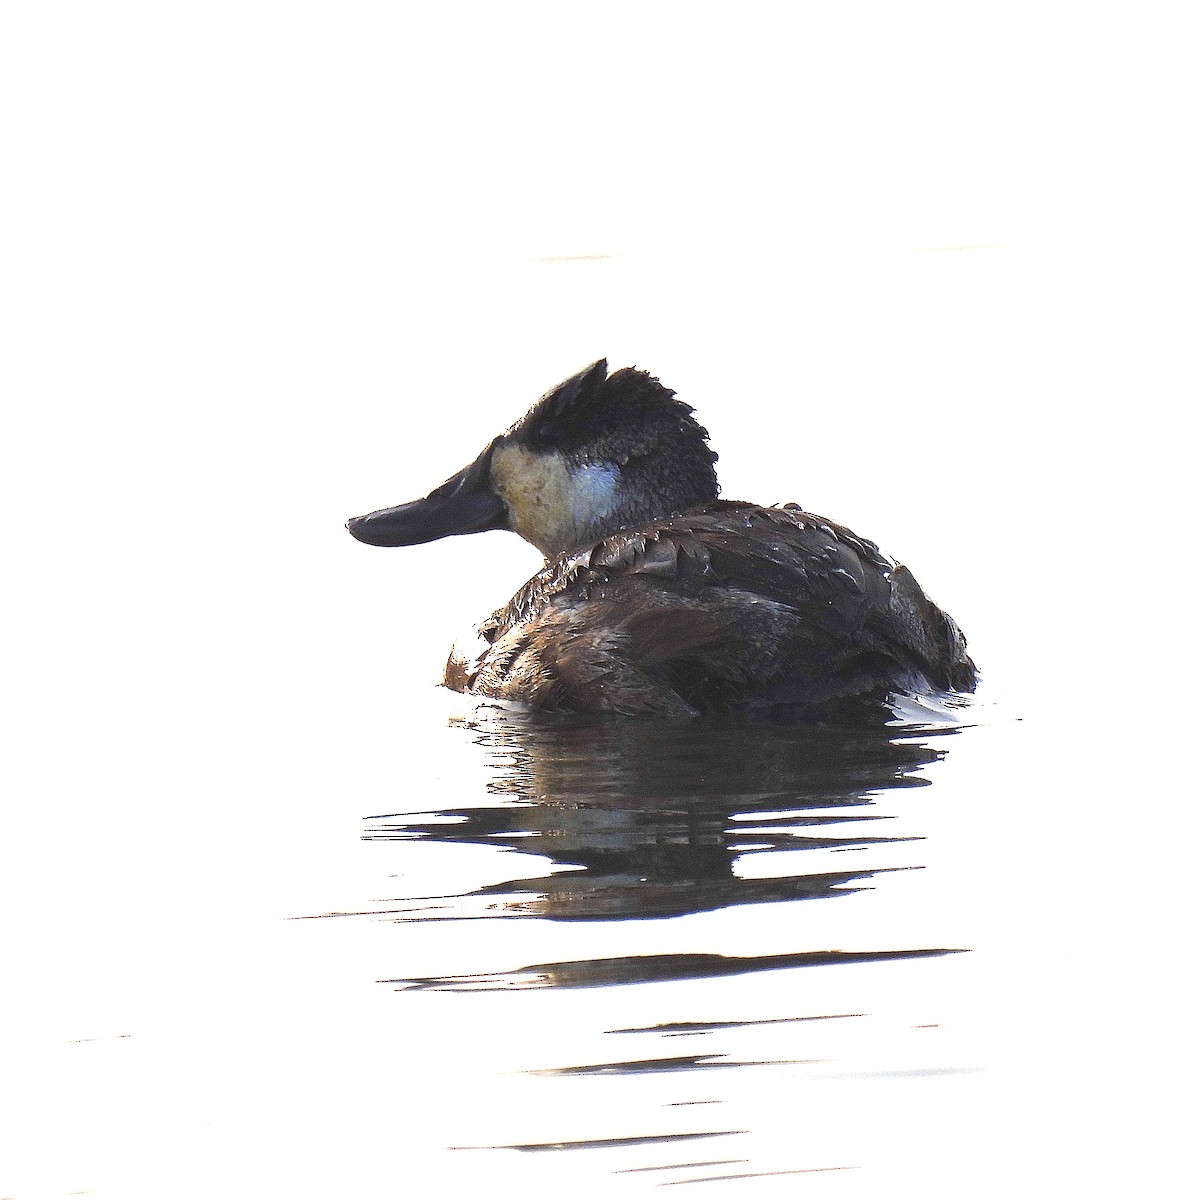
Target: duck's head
{"points": [[596, 454]]}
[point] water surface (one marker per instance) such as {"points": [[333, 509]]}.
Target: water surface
{"points": [[712, 914]]}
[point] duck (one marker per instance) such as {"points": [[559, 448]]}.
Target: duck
{"points": [[657, 597]]}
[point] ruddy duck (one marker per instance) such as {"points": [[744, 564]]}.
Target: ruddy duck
{"points": [[656, 597]]}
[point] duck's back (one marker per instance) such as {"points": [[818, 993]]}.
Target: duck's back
{"points": [[728, 606]]}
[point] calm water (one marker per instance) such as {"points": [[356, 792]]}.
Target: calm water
{"points": [[308, 947], [663, 940]]}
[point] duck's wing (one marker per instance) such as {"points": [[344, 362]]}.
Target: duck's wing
{"points": [[730, 603], [845, 585]]}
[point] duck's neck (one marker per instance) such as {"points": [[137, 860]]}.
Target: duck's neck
{"points": [[605, 499]]}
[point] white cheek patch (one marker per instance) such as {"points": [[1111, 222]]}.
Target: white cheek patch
{"points": [[593, 493], [550, 503]]}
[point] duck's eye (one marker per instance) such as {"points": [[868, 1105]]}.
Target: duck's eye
{"points": [[546, 434]]}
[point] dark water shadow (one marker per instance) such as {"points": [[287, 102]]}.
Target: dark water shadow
{"points": [[653, 968], [658, 819]]}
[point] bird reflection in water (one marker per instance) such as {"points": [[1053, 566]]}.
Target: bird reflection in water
{"points": [[641, 819], [658, 819]]}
